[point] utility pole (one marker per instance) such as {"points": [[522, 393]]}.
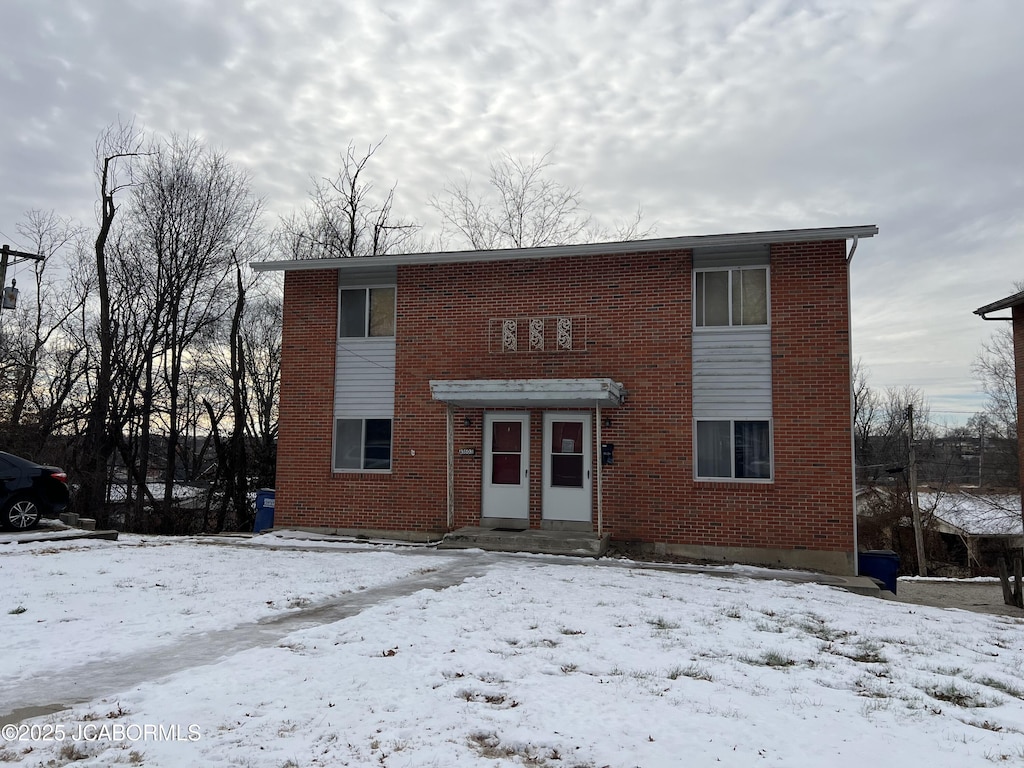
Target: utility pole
{"points": [[981, 450], [922, 566], [7, 256]]}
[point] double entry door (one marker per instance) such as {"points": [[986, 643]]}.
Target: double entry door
{"points": [[565, 482]]}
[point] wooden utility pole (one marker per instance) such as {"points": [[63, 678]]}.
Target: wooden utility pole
{"points": [[922, 565], [7, 256]]}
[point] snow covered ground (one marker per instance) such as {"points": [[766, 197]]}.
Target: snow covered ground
{"points": [[529, 661]]}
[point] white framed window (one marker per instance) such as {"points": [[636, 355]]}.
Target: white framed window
{"points": [[362, 445], [733, 449], [730, 297], [366, 312]]}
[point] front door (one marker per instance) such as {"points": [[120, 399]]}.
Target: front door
{"points": [[567, 457], [506, 480]]}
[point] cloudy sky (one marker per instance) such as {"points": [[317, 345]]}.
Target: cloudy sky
{"points": [[714, 115]]}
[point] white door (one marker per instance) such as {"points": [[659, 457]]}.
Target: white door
{"points": [[506, 481], [567, 459]]}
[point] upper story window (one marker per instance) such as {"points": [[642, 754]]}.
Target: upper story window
{"points": [[367, 312], [730, 297]]}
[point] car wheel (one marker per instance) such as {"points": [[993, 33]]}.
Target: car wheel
{"points": [[20, 514]]}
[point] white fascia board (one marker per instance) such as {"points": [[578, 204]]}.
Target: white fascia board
{"points": [[521, 393], [627, 248]]}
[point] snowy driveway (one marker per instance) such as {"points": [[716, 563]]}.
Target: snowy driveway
{"points": [[518, 661]]}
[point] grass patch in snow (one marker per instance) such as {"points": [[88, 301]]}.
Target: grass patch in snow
{"points": [[865, 651], [661, 623], [960, 696], [999, 685], [494, 698], [488, 744], [692, 671], [816, 626], [17, 611], [986, 725], [769, 659]]}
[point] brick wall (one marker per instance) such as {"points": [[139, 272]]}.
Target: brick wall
{"points": [[638, 333]]}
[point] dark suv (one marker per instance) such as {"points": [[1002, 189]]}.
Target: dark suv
{"points": [[29, 491]]}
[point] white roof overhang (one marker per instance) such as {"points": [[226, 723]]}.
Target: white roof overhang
{"points": [[628, 248], [525, 393]]}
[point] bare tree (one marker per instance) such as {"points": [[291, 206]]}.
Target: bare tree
{"points": [[522, 207], [115, 148], [41, 362], [191, 213], [235, 370], [344, 219], [260, 343], [865, 418]]}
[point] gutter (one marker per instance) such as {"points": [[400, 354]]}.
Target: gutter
{"points": [[625, 249]]}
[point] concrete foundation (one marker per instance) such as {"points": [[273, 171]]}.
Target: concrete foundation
{"points": [[839, 563], [418, 537], [546, 542]]}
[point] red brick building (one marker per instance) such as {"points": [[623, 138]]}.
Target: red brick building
{"points": [[690, 394]]}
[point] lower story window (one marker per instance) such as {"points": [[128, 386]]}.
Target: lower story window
{"points": [[729, 448], [362, 444]]}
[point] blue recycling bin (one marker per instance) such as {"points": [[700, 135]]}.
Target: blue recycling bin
{"points": [[264, 510], [881, 564]]}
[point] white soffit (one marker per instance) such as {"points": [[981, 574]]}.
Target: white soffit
{"points": [[523, 393]]}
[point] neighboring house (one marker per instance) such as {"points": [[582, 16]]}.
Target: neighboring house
{"points": [[966, 530], [989, 525], [1015, 305], [688, 394]]}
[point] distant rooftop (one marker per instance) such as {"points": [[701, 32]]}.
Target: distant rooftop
{"points": [[977, 514]]}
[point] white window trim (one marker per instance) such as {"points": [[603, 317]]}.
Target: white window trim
{"points": [[730, 328], [732, 451], [366, 313], [362, 439]]}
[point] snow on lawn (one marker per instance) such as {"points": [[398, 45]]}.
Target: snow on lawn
{"points": [[62, 602], [537, 663]]}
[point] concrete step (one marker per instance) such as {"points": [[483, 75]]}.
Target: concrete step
{"points": [[580, 543]]}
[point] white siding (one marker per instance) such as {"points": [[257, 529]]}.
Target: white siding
{"points": [[756, 256], [732, 373], [368, 276], [364, 383]]}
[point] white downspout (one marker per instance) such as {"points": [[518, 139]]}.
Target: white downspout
{"points": [[853, 427], [853, 250], [450, 441], [600, 474]]}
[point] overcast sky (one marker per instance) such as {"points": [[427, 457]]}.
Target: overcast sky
{"points": [[714, 115]]}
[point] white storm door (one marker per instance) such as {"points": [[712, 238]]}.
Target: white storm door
{"points": [[506, 481], [567, 458]]}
